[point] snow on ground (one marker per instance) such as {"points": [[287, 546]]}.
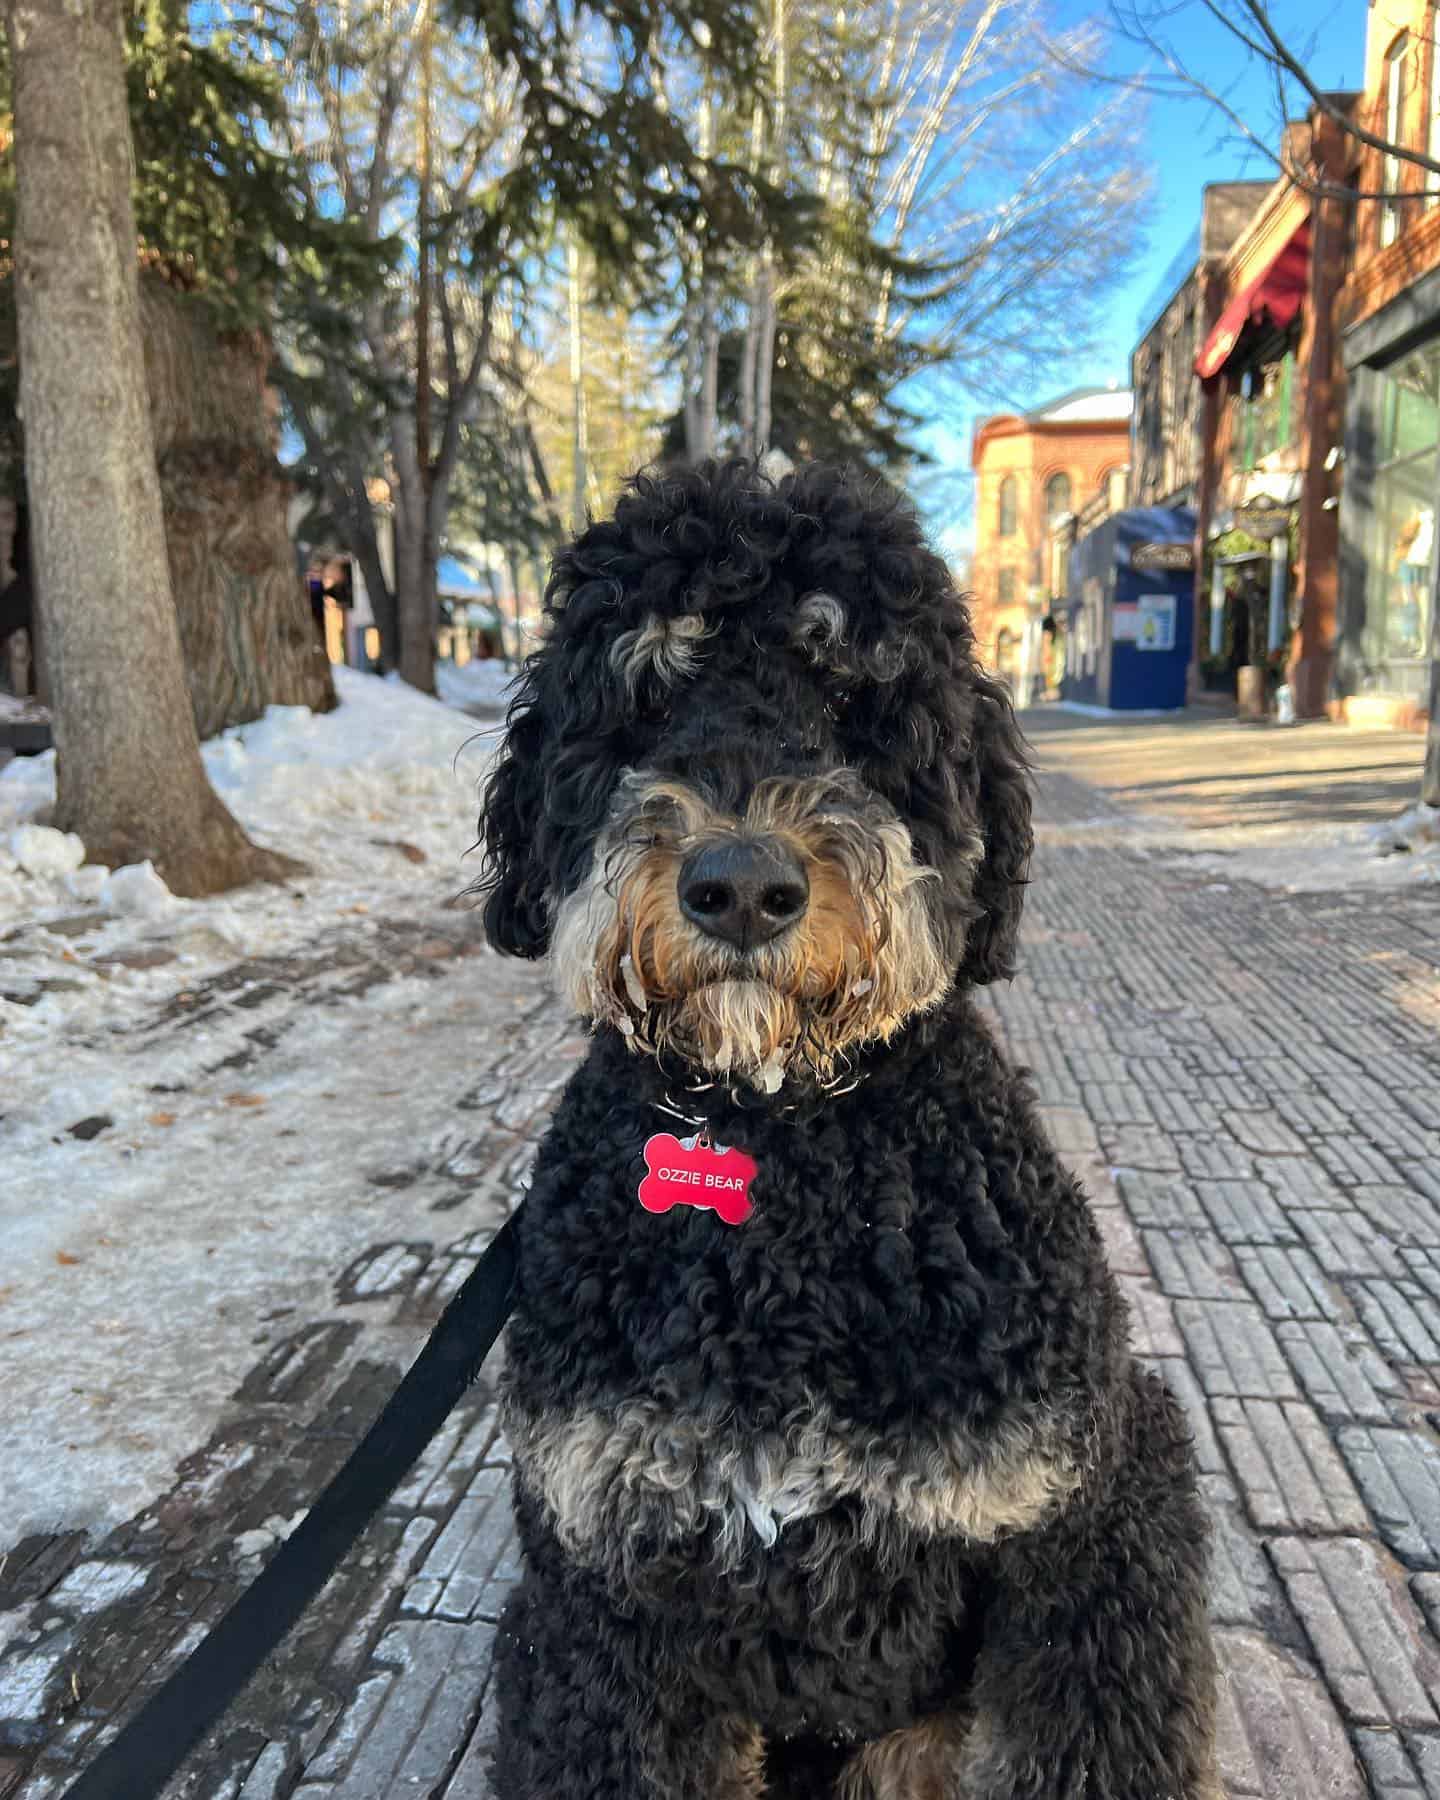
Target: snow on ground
{"points": [[379, 799], [147, 1269], [1083, 710], [12, 708], [1416, 831], [1312, 860], [146, 1266], [488, 683], [1293, 857]]}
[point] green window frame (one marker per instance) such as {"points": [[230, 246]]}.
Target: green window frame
{"points": [[1264, 416]]}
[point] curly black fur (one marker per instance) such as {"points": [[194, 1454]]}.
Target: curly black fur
{"points": [[939, 741], [877, 1464]]}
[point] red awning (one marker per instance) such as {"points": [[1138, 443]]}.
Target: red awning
{"points": [[1275, 296]]}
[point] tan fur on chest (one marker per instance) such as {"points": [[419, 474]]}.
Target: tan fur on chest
{"points": [[603, 1472]]}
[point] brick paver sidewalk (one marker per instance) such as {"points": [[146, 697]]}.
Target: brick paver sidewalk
{"points": [[1249, 1083]]}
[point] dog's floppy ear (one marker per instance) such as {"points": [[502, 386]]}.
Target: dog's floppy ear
{"points": [[549, 791], [1002, 775], [514, 882]]}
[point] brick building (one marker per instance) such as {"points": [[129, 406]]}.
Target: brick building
{"points": [[1166, 436], [1388, 639], [1271, 427], [1030, 469], [1319, 421]]}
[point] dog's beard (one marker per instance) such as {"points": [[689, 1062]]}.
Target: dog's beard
{"points": [[861, 961]]}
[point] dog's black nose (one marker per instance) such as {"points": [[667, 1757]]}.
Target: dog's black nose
{"points": [[743, 891]]}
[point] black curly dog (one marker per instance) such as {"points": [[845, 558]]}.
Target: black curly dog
{"points": [[861, 1495]]}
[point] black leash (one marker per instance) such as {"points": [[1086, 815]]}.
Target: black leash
{"points": [[141, 1760]]}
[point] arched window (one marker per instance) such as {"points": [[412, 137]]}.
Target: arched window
{"points": [[1112, 486], [1009, 505], [1005, 651], [1006, 589], [1057, 496]]}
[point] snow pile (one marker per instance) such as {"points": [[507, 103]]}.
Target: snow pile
{"points": [[136, 890], [1300, 859], [1290, 856], [17, 710], [485, 684], [42, 852], [378, 799], [1417, 830]]}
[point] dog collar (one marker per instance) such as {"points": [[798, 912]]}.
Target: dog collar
{"points": [[667, 1105], [828, 1090]]}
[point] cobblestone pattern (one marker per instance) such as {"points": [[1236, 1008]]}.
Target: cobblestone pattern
{"points": [[1259, 1071], [1244, 1080]]}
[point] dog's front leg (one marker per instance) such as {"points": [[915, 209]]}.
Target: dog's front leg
{"points": [[1096, 1678], [591, 1707]]}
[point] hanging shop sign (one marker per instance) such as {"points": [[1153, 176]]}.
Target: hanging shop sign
{"points": [[1162, 556], [1263, 520]]}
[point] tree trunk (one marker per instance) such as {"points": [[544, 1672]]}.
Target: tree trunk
{"points": [[415, 574], [710, 373], [694, 420], [764, 353], [415, 585], [360, 531], [129, 775], [246, 629], [424, 250], [766, 299], [702, 349], [579, 447], [750, 348], [749, 351]]}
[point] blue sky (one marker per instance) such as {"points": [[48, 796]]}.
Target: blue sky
{"points": [[1186, 143]]}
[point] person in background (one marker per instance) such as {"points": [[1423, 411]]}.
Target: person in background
{"points": [[1240, 614], [17, 600]]}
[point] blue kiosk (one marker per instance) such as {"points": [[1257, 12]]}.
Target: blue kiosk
{"points": [[1131, 611]]}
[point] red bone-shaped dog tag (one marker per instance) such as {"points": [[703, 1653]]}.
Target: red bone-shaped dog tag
{"points": [[695, 1172]]}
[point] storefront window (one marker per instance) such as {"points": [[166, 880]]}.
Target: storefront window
{"points": [[1400, 591]]}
